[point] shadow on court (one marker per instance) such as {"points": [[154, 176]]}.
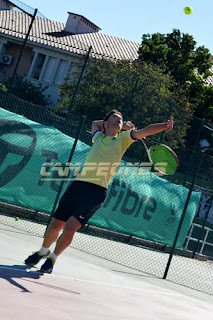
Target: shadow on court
{"points": [[16, 272], [83, 287]]}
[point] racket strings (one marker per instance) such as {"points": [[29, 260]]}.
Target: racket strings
{"points": [[163, 159]]}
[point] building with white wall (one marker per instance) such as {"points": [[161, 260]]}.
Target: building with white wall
{"points": [[53, 47]]}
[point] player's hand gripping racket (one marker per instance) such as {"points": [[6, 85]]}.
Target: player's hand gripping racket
{"points": [[163, 158]]}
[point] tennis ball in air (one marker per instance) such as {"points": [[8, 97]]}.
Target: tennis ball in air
{"points": [[188, 10], [17, 219]]}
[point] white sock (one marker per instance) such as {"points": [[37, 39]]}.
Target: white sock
{"points": [[54, 256], [43, 251]]}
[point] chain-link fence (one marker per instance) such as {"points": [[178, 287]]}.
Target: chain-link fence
{"points": [[161, 225]]}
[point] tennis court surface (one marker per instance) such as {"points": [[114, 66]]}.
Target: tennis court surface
{"points": [[87, 287]]}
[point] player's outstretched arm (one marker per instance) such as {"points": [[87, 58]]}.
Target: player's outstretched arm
{"points": [[152, 129]]}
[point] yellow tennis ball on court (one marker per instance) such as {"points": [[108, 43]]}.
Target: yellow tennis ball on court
{"points": [[188, 10], [17, 219]]}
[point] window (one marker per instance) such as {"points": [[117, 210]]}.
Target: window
{"points": [[50, 70], [38, 66], [61, 72]]}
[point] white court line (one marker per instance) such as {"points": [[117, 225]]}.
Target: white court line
{"points": [[94, 282]]}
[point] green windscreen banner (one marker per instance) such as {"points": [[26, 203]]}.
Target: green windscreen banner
{"points": [[34, 160], [148, 207], [24, 148]]}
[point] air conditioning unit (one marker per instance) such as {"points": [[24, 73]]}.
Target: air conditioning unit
{"points": [[6, 59]]}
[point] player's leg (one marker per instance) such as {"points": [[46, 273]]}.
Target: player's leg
{"points": [[61, 215], [51, 235], [87, 198], [52, 232], [65, 239]]}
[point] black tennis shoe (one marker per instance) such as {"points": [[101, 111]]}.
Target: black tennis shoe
{"points": [[35, 258], [47, 267]]}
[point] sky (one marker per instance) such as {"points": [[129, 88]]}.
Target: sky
{"points": [[130, 19]]}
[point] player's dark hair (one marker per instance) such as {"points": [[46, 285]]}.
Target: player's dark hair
{"points": [[109, 114], [112, 112]]}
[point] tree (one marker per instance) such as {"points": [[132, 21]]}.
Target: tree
{"points": [[176, 54], [107, 85], [26, 90]]}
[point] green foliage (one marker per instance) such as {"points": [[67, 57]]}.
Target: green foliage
{"points": [[176, 54], [3, 87], [202, 96], [107, 85], [26, 90]]}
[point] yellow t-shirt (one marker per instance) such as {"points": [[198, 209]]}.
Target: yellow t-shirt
{"points": [[104, 157]]}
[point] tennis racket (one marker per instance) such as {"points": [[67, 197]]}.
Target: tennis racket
{"points": [[163, 158]]}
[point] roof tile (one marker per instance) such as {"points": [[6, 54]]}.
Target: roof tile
{"points": [[45, 31]]}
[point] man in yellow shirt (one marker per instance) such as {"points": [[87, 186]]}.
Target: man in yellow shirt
{"points": [[89, 189]]}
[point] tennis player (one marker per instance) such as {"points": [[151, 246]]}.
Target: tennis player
{"points": [[89, 189]]}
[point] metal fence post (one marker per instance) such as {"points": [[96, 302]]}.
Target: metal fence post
{"points": [[79, 80], [183, 216], [69, 160], [193, 151], [171, 105], [22, 49], [131, 98]]}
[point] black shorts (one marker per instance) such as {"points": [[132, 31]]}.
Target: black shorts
{"points": [[80, 200]]}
